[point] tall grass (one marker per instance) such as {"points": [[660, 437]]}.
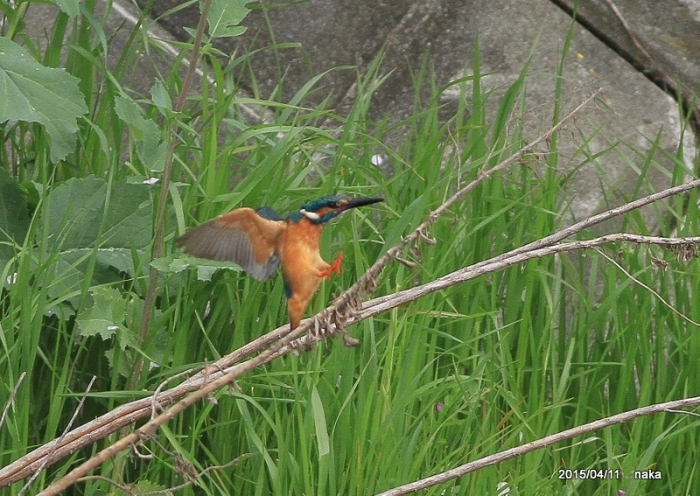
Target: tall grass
{"points": [[459, 374]]}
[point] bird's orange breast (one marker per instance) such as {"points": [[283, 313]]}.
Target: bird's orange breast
{"points": [[299, 254], [302, 265], [299, 249]]}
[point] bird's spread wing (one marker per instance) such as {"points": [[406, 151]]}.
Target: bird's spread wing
{"points": [[242, 236]]}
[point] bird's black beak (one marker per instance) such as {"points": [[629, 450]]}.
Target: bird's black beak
{"points": [[359, 202]]}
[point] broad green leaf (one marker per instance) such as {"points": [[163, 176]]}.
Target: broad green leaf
{"points": [[225, 17], [69, 271], [31, 92], [129, 217], [77, 207], [160, 96], [81, 225], [14, 218], [75, 213], [148, 487], [70, 7], [150, 148], [173, 264], [319, 415], [106, 315], [130, 112], [128, 342]]}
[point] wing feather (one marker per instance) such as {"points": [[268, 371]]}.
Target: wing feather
{"points": [[241, 236]]}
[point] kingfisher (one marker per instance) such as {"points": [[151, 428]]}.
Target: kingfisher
{"points": [[260, 240]]}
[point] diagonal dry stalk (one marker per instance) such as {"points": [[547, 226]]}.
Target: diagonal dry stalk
{"points": [[11, 399], [280, 341], [433, 480], [47, 460]]}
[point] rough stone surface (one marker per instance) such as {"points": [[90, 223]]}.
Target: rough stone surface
{"points": [[631, 114]]}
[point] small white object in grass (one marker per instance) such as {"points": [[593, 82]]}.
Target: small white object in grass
{"points": [[151, 181], [207, 309], [377, 159], [12, 279]]}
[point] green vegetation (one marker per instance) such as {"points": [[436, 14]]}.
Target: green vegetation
{"points": [[462, 373]]}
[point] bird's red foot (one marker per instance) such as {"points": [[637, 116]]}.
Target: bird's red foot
{"points": [[334, 267]]}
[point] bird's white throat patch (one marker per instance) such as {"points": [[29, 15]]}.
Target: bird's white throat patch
{"points": [[310, 215]]}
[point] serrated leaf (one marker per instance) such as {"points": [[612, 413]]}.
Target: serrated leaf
{"points": [[146, 487], [205, 268], [152, 153], [77, 212], [160, 96], [70, 7], [225, 17], [129, 217], [68, 272], [130, 112], [106, 316], [150, 149], [31, 92]]}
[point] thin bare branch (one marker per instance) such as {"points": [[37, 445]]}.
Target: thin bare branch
{"points": [[51, 454], [513, 257], [628, 29], [170, 490], [9, 401], [541, 443], [655, 293]]}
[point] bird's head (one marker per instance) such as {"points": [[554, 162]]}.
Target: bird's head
{"points": [[329, 207]]}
